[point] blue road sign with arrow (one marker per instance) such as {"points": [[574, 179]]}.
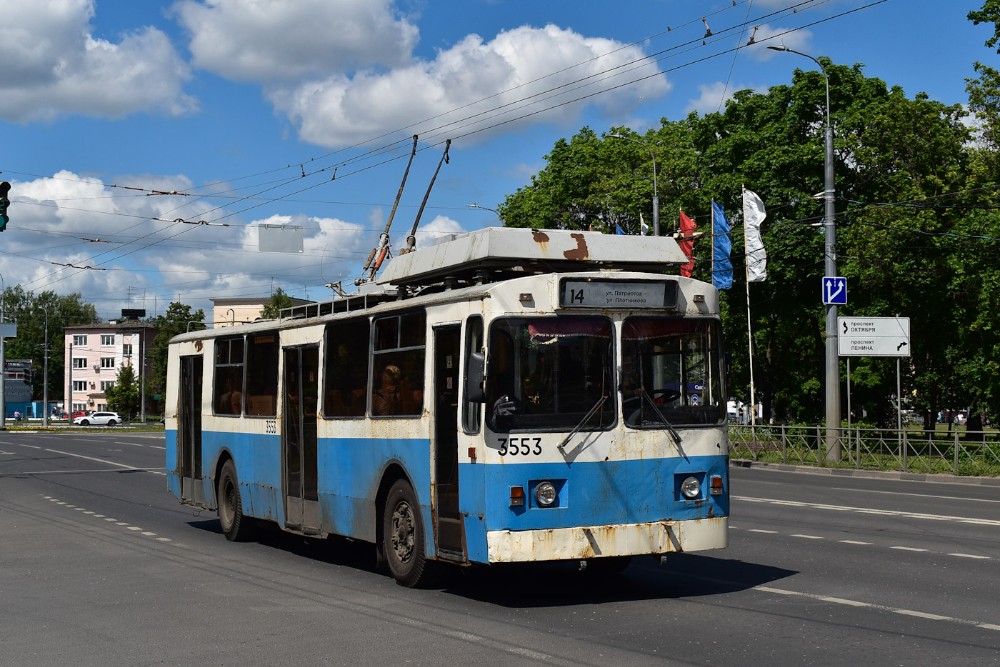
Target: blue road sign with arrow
{"points": [[834, 290]]}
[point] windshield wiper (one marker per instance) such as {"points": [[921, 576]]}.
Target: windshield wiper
{"points": [[576, 429], [670, 427]]}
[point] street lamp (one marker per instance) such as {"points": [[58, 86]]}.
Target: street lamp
{"points": [[830, 269], [656, 196]]}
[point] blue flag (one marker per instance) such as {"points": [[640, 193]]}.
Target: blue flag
{"points": [[618, 229], [722, 245]]}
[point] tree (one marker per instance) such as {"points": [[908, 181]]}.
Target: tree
{"points": [[279, 300], [123, 396], [177, 320], [31, 312], [903, 171]]}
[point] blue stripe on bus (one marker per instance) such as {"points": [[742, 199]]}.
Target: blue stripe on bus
{"points": [[591, 493]]}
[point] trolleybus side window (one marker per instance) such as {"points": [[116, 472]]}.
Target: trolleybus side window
{"points": [[346, 380], [398, 365], [228, 388], [550, 373], [473, 347], [262, 374], [671, 371]]}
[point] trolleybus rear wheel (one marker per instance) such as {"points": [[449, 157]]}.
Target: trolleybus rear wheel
{"points": [[403, 536], [235, 526]]}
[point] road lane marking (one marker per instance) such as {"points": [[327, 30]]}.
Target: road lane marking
{"points": [[877, 607], [124, 524], [865, 544], [868, 510], [918, 495]]}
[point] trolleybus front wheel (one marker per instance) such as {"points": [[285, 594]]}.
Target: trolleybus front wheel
{"points": [[403, 536], [235, 526]]}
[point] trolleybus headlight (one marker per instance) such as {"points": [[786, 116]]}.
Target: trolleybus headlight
{"points": [[545, 494], [691, 488]]}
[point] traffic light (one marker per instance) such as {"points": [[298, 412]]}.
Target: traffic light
{"points": [[4, 203]]}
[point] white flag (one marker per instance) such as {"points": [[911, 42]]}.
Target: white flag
{"points": [[643, 227], [753, 215]]}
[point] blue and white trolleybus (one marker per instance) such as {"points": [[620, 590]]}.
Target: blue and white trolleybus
{"points": [[508, 395]]}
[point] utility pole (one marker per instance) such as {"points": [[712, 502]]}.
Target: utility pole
{"points": [[832, 356]]}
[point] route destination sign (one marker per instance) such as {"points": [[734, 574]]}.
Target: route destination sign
{"points": [[873, 336]]}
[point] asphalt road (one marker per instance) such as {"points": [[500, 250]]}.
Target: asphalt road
{"points": [[100, 565]]}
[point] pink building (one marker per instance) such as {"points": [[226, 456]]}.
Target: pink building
{"points": [[94, 355]]}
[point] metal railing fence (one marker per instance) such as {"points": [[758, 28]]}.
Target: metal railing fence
{"points": [[958, 452]]}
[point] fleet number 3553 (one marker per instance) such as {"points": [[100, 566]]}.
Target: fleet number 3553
{"points": [[520, 446]]}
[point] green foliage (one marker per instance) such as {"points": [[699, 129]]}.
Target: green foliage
{"points": [[177, 320], [123, 396], [279, 300], [32, 312], [913, 194]]}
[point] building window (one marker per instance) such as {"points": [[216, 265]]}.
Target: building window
{"points": [[107, 384], [107, 362], [79, 362], [107, 339], [79, 385], [79, 340], [127, 350]]}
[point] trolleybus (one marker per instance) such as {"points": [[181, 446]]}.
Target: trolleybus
{"points": [[508, 395]]}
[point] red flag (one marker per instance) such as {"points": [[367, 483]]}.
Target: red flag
{"points": [[687, 243]]}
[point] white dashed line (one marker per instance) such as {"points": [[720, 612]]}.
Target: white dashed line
{"points": [[861, 543], [125, 524], [878, 607]]}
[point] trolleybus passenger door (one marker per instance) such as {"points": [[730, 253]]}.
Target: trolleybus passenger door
{"points": [[298, 438], [447, 346], [189, 429]]}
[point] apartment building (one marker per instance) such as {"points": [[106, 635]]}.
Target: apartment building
{"points": [[94, 355]]}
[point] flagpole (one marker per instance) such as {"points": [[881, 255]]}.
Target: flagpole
{"points": [[746, 273], [712, 274]]}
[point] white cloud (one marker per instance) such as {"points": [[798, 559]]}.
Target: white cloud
{"points": [[53, 66], [64, 223], [714, 95], [475, 85], [249, 40], [798, 40], [438, 229]]}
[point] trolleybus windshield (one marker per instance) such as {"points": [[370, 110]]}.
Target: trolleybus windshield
{"points": [[550, 373], [671, 371]]}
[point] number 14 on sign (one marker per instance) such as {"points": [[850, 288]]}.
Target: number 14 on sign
{"points": [[834, 290]]}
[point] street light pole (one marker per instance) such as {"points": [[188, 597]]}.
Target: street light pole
{"points": [[833, 444], [656, 195], [45, 373]]}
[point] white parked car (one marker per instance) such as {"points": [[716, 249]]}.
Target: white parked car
{"points": [[99, 419]]}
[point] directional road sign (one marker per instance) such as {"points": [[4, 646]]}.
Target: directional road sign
{"points": [[834, 290], [873, 336]]}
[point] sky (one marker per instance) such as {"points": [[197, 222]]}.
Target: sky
{"points": [[147, 143]]}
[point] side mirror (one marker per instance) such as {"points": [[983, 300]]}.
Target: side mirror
{"points": [[474, 375]]}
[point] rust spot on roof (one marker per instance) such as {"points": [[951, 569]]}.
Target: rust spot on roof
{"points": [[580, 252], [539, 236]]}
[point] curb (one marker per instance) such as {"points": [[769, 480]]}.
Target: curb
{"points": [[938, 478]]}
